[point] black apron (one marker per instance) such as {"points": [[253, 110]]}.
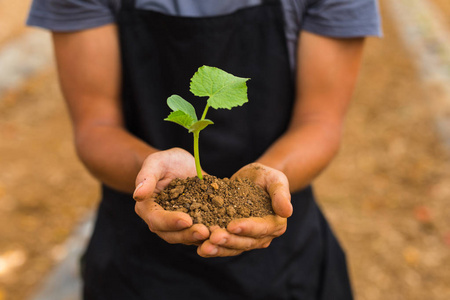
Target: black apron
{"points": [[160, 53]]}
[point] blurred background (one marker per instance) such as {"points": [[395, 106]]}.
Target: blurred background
{"points": [[387, 193]]}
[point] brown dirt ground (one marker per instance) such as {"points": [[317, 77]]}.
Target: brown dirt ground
{"points": [[386, 194], [444, 6]]}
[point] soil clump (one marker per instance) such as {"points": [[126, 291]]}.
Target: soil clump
{"points": [[215, 201]]}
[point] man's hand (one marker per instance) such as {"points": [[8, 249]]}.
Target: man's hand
{"points": [[158, 170], [253, 233]]}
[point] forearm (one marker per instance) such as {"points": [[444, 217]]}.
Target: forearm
{"points": [[303, 152], [89, 71], [326, 76], [112, 155]]}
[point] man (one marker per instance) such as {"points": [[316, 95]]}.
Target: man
{"points": [[117, 66]]}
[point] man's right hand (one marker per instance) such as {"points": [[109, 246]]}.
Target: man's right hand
{"points": [[157, 171]]}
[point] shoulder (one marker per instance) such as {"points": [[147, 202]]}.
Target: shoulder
{"points": [[72, 15], [337, 18]]}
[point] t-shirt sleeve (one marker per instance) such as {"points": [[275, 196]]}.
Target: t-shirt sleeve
{"points": [[343, 18], [70, 15]]}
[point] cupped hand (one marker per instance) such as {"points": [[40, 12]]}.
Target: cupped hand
{"points": [[253, 233], [157, 171]]}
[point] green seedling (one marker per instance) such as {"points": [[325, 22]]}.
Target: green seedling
{"points": [[223, 90]]}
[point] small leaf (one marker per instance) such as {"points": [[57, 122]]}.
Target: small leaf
{"points": [[200, 125], [177, 103], [223, 89], [181, 118]]}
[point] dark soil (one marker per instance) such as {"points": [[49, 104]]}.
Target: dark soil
{"points": [[215, 201]]}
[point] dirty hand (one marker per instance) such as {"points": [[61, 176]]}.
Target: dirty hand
{"points": [[157, 171], [253, 233]]}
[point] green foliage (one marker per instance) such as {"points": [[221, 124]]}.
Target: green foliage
{"points": [[184, 114], [223, 90]]}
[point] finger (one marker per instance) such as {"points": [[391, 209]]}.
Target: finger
{"points": [[277, 186], [145, 188], [258, 227], [274, 181], [224, 239], [173, 227], [281, 198], [159, 219], [207, 249], [152, 178], [193, 235]]}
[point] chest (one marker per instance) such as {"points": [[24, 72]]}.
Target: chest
{"points": [[293, 11]]}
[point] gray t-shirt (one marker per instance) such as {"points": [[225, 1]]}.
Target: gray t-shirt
{"points": [[333, 18]]}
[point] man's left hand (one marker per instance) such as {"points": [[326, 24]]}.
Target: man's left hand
{"points": [[253, 233]]}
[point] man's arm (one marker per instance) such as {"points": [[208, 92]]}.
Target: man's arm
{"points": [[326, 76], [327, 71], [89, 71]]}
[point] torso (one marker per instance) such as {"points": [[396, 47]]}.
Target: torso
{"points": [[293, 11], [165, 51]]}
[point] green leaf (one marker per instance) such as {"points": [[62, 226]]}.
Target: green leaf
{"points": [[223, 89], [181, 118], [176, 103], [200, 125]]}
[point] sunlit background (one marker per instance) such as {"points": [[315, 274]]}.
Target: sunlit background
{"points": [[387, 194]]}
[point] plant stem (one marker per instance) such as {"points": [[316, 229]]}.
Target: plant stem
{"points": [[205, 111], [196, 155], [196, 152]]}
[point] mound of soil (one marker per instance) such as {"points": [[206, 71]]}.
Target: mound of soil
{"points": [[215, 201]]}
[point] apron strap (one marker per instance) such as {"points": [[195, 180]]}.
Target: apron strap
{"points": [[128, 4]]}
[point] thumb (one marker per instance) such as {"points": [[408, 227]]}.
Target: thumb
{"points": [[147, 178], [145, 189], [281, 199]]}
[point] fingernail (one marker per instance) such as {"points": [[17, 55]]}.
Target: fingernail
{"points": [[223, 241], [213, 251], [266, 245], [138, 187], [197, 236], [236, 230], [181, 224]]}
